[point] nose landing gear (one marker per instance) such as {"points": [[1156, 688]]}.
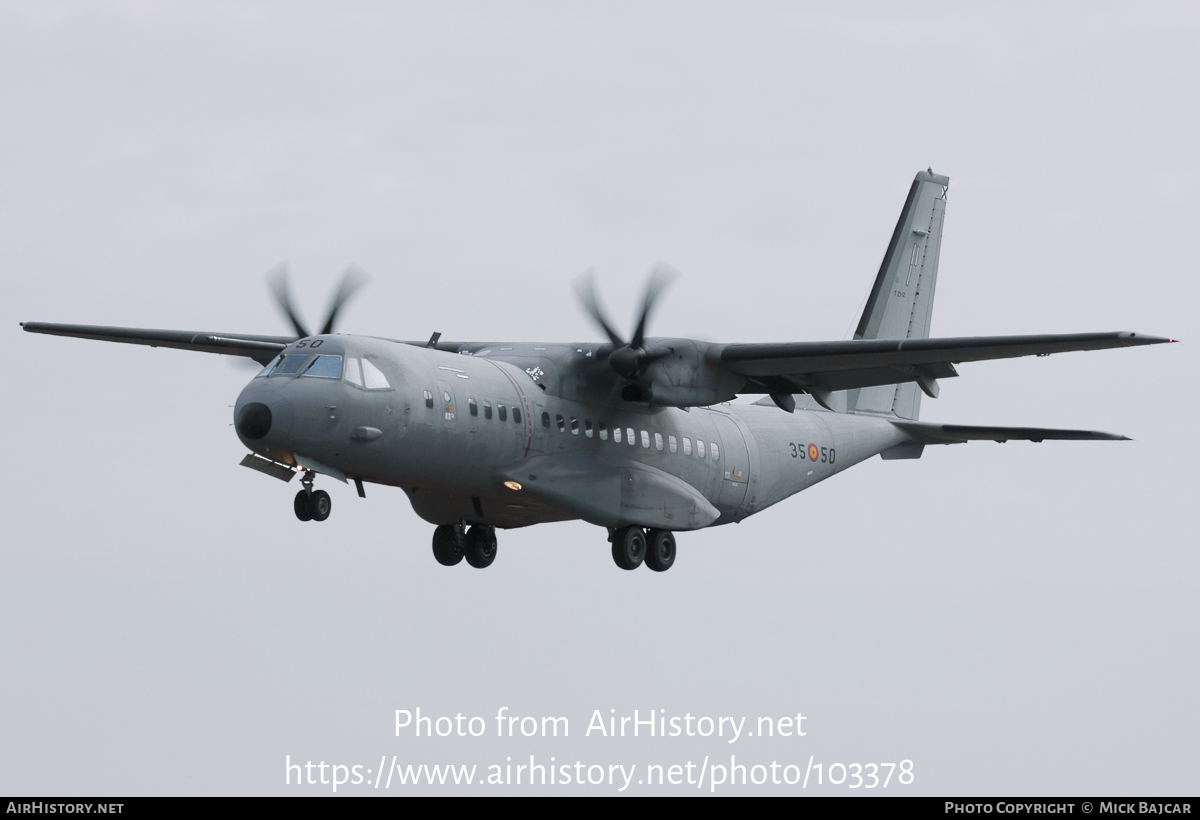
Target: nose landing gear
{"points": [[312, 505]]}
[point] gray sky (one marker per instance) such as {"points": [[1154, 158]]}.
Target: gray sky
{"points": [[1017, 619]]}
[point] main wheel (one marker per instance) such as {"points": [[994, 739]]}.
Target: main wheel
{"points": [[629, 547], [447, 546], [480, 546], [320, 504], [660, 552], [302, 506]]}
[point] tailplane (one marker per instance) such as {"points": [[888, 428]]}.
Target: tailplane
{"points": [[901, 302]]}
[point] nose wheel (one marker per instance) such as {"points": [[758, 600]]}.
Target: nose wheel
{"points": [[310, 504]]}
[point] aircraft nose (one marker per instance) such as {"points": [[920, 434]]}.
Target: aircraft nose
{"points": [[254, 422]]}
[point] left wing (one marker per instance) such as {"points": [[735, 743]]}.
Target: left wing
{"points": [[819, 367]]}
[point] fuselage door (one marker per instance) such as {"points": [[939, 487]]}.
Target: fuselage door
{"points": [[445, 397], [734, 462]]}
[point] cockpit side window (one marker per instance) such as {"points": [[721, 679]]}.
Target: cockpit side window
{"points": [[266, 371], [354, 372], [373, 377], [325, 367]]}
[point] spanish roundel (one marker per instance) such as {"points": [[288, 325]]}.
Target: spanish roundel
{"points": [[813, 452]]}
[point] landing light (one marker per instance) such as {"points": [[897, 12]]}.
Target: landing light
{"points": [[512, 485]]}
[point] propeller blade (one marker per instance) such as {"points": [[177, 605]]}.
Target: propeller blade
{"points": [[585, 288], [661, 275], [353, 280], [277, 279]]}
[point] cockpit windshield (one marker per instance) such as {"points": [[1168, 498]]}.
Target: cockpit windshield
{"points": [[326, 367], [290, 364]]}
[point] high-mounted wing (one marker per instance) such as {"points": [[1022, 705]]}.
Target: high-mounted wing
{"points": [[822, 367], [259, 348]]}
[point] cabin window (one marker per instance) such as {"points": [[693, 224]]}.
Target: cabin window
{"points": [[574, 426], [603, 431], [545, 419], [473, 406], [517, 415], [428, 399], [587, 428], [562, 424], [673, 444], [716, 451], [354, 372], [658, 442], [687, 446], [502, 411], [374, 378], [616, 435], [487, 409], [699, 448], [646, 440], [325, 367], [629, 436]]}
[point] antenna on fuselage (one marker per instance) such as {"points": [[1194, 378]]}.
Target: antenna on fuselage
{"points": [[433, 340]]}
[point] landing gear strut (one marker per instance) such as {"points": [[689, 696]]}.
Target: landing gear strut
{"points": [[312, 505]]}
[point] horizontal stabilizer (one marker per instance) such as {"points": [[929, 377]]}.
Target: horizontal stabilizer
{"points": [[930, 433]]}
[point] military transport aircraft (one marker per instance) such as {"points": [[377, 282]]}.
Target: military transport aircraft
{"points": [[635, 436]]}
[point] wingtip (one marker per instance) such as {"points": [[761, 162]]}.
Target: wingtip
{"points": [[1145, 338]]}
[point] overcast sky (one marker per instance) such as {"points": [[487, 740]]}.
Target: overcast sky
{"points": [[1016, 619]]}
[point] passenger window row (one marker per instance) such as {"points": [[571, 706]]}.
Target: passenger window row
{"points": [[501, 410], [602, 431]]}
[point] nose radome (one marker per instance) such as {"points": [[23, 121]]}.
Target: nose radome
{"points": [[254, 421]]}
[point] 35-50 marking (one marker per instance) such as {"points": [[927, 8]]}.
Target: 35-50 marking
{"points": [[825, 455]]}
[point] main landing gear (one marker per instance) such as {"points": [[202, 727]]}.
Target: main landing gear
{"points": [[452, 543], [312, 505], [631, 547]]}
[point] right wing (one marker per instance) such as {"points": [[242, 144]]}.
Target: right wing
{"points": [[259, 348]]}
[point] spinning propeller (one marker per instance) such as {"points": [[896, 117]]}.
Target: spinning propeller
{"points": [[630, 360], [352, 281]]}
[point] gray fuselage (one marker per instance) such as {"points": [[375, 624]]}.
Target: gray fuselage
{"points": [[451, 429]]}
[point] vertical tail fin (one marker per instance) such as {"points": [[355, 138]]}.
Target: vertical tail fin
{"points": [[901, 302]]}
